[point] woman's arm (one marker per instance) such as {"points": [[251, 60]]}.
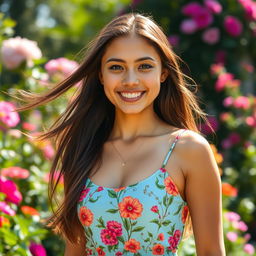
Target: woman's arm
{"points": [[203, 194], [74, 250]]}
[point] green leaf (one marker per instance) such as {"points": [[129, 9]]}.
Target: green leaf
{"points": [[112, 210], [150, 234], [121, 239], [94, 200], [158, 185], [10, 238], [166, 222], [101, 221], [179, 209], [137, 229], [170, 200], [134, 223], [164, 200], [127, 224], [156, 221], [112, 194]]}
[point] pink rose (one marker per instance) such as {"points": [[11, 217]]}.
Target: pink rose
{"points": [[211, 35], [5, 208], [213, 122], [223, 80], [16, 50], [240, 225], [213, 6], [177, 235], [15, 172], [241, 102], [228, 101], [232, 236], [188, 26], [251, 121], [48, 151], [250, 8], [191, 9], [249, 249], [9, 188], [115, 227], [61, 66], [37, 249], [8, 117], [108, 237], [203, 18], [233, 26]]}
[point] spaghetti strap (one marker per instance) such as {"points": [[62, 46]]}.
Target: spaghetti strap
{"points": [[171, 148]]}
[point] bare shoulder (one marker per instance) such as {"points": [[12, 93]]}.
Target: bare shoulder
{"points": [[194, 150]]}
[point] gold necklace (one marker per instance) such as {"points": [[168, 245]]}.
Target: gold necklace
{"points": [[119, 154]]}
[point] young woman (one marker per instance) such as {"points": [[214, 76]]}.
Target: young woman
{"points": [[135, 166]]}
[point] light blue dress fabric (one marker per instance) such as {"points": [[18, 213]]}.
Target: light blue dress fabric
{"points": [[146, 218]]}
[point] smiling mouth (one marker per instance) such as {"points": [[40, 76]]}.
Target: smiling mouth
{"points": [[131, 96]]}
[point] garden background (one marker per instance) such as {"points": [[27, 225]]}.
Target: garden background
{"points": [[42, 42]]}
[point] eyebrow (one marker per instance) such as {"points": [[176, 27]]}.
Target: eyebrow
{"points": [[120, 60]]}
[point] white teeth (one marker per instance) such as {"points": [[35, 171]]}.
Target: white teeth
{"points": [[131, 95]]}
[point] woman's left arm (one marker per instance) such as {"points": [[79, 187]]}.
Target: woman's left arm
{"points": [[203, 195]]}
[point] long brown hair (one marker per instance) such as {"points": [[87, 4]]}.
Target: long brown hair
{"points": [[81, 131]]}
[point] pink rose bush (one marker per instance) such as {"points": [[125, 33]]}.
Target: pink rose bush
{"points": [[8, 117], [16, 50]]}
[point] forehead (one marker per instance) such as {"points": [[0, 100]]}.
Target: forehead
{"points": [[130, 48]]}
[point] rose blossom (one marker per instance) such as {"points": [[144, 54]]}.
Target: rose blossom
{"points": [[232, 236], [223, 80], [16, 50], [37, 249], [228, 101], [240, 225], [233, 26], [5, 208], [188, 26], [203, 18], [9, 188], [191, 9], [248, 248], [15, 172], [242, 102], [232, 216], [250, 8], [211, 35], [213, 6], [8, 117]]}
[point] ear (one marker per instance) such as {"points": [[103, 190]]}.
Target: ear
{"points": [[164, 75]]}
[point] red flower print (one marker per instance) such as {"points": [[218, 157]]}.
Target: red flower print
{"points": [[119, 189], [170, 186], [158, 249], [84, 193], [115, 227], [173, 244], [130, 208], [177, 235], [108, 237], [119, 254], [163, 170], [184, 214], [100, 252], [99, 189], [160, 237], [85, 216], [132, 245], [154, 208], [88, 251]]}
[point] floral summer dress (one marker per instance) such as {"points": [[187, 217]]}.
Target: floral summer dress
{"points": [[146, 218]]}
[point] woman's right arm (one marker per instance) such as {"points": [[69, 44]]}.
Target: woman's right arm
{"points": [[74, 250]]}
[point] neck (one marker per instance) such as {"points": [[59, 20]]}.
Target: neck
{"points": [[128, 127]]}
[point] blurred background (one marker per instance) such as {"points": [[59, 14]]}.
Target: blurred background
{"points": [[42, 42]]}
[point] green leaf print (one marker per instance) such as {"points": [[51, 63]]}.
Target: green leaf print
{"points": [[127, 224], [137, 229], [158, 185], [112, 210], [121, 239], [101, 223], [178, 209], [147, 240], [90, 230], [150, 234], [112, 194], [165, 200], [166, 222], [156, 221], [134, 223], [94, 200]]}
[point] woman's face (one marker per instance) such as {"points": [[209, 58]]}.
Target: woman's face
{"points": [[131, 73]]}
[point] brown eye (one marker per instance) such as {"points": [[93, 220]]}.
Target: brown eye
{"points": [[115, 67], [145, 66]]}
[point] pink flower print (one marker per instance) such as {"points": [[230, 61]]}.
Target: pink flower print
{"points": [[233, 26], [108, 237], [84, 193], [99, 189], [177, 236], [119, 254], [115, 227], [154, 209], [173, 244]]}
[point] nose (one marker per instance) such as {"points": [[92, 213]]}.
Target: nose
{"points": [[130, 78]]}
